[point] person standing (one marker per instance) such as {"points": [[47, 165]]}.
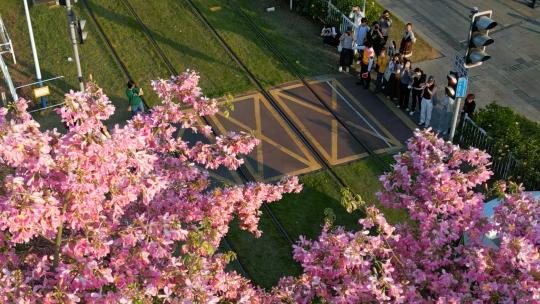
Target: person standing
{"points": [[407, 41], [392, 50], [134, 94], [427, 102], [361, 34], [393, 70], [385, 23], [356, 15], [419, 79], [347, 53], [396, 87], [368, 55], [445, 119], [469, 106], [380, 66], [376, 37], [406, 80]]}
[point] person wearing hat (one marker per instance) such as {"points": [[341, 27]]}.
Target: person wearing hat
{"points": [[346, 52], [427, 102]]}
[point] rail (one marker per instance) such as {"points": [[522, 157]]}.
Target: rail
{"points": [[124, 69]]}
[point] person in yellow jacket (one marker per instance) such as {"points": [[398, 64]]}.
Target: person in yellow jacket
{"points": [[368, 55], [380, 67]]}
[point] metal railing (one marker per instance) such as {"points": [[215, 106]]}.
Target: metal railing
{"points": [[504, 164], [334, 16]]}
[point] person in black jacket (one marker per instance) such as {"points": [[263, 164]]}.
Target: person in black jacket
{"points": [[406, 80], [469, 106], [419, 79]]}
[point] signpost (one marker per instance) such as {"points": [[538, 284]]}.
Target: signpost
{"points": [[42, 91], [461, 90], [462, 87]]}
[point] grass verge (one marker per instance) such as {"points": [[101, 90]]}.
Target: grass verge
{"points": [[270, 257], [54, 48]]}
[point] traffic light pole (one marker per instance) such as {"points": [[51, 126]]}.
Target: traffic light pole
{"points": [[457, 107], [73, 37]]}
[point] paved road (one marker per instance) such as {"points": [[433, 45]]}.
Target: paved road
{"points": [[512, 76]]}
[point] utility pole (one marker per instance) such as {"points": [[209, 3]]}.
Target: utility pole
{"points": [[34, 50], [73, 36]]}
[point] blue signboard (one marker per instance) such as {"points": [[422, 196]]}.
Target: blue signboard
{"points": [[461, 90]]}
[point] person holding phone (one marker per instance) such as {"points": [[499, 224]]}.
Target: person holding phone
{"points": [[406, 80], [356, 15], [419, 79], [368, 55], [134, 94], [427, 102]]}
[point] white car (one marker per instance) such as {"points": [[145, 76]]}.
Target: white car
{"points": [[490, 238]]}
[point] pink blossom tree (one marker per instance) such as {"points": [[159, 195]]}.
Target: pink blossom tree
{"points": [[128, 216], [427, 259], [125, 216]]}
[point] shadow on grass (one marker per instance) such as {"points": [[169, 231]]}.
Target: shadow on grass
{"points": [[125, 21]]}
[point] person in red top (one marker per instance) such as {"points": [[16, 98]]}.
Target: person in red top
{"points": [[368, 55]]}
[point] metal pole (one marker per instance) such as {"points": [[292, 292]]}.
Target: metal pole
{"points": [[455, 119], [290, 5], [364, 8], [73, 36], [34, 50]]}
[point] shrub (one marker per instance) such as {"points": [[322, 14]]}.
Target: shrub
{"points": [[317, 8], [516, 134]]}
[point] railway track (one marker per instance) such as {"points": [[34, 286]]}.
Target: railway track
{"points": [[126, 73], [242, 172], [244, 175], [271, 99]]}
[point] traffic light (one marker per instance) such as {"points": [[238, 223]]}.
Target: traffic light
{"points": [[481, 24], [81, 34], [451, 88]]}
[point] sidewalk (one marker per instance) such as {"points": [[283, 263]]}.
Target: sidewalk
{"points": [[510, 77]]}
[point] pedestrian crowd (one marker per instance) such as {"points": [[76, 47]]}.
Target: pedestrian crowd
{"points": [[408, 87]]}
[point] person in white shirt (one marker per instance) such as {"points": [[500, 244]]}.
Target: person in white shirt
{"points": [[445, 119], [356, 15]]}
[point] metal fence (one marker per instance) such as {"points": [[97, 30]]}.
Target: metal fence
{"points": [[504, 165], [334, 16]]}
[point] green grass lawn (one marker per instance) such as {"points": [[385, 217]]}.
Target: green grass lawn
{"points": [[362, 177], [189, 45], [53, 45], [269, 258]]}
